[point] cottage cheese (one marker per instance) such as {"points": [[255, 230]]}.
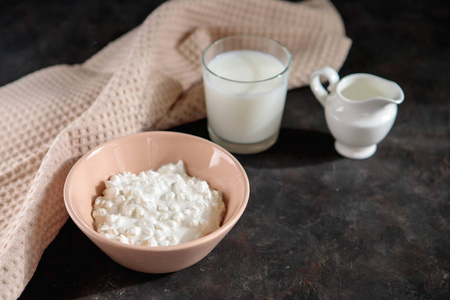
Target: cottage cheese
{"points": [[157, 208]]}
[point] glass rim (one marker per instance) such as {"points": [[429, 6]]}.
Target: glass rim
{"points": [[286, 68]]}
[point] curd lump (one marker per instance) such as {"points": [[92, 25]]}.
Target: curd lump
{"points": [[157, 208]]}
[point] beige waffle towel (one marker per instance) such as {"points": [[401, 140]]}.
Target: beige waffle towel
{"points": [[146, 80]]}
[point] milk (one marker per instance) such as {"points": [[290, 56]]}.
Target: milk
{"points": [[362, 91], [245, 100]]}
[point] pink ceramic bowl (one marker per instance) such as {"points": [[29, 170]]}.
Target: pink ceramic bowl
{"points": [[150, 150]]}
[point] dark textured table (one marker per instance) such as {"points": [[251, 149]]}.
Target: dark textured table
{"points": [[318, 226]]}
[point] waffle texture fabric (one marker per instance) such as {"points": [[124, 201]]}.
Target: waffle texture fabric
{"points": [[148, 79]]}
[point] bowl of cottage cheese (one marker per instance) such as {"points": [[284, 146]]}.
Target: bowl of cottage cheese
{"points": [[156, 202]]}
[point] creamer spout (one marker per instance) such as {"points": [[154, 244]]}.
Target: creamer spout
{"points": [[395, 93]]}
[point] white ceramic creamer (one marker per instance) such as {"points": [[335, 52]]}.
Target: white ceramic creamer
{"points": [[360, 109]]}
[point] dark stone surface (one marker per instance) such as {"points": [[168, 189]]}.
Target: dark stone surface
{"points": [[318, 226]]}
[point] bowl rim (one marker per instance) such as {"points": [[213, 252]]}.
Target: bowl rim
{"points": [[92, 234]]}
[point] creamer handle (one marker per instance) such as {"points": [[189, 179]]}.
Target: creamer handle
{"points": [[317, 88]]}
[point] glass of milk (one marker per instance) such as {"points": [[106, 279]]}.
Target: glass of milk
{"points": [[245, 79]]}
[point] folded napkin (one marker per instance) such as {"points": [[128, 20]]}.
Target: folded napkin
{"points": [[149, 79]]}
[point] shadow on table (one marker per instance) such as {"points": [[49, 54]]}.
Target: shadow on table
{"points": [[294, 148], [72, 267]]}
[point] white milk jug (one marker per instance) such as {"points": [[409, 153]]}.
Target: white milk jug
{"points": [[360, 109]]}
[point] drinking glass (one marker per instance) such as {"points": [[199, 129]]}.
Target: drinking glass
{"points": [[245, 81]]}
